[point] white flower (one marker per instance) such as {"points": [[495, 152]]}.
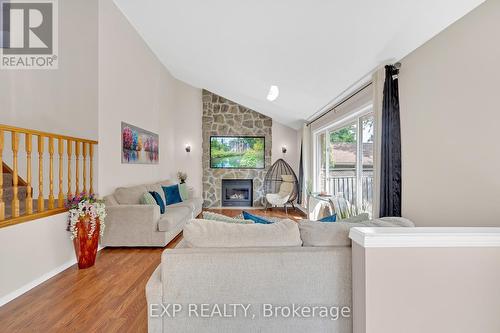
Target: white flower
{"points": [[94, 211]]}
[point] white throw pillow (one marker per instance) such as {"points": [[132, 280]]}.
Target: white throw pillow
{"points": [[206, 233]]}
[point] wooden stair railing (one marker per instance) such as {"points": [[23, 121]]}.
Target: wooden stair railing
{"points": [[16, 199], [7, 169]]}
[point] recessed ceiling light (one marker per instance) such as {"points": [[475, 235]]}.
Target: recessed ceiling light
{"points": [[273, 93]]}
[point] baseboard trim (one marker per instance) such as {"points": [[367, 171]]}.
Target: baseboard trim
{"points": [[36, 282]]}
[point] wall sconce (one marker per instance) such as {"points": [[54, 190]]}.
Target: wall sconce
{"points": [[188, 148], [283, 149]]}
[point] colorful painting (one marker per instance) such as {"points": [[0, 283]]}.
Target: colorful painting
{"points": [[138, 145]]}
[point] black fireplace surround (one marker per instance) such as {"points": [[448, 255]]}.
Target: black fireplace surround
{"points": [[237, 192]]}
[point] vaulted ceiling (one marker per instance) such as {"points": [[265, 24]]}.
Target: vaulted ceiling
{"points": [[312, 49]]}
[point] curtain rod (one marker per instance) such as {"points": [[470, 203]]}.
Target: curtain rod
{"points": [[341, 102], [397, 65]]}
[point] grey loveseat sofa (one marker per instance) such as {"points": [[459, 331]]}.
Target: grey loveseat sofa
{"points": [[129, 223]]}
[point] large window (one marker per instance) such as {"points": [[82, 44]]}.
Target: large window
{"points": [[344, 160]]}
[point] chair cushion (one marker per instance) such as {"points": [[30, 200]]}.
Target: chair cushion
{"points": [[205, 233], [277, 199], [286, 189], [172, 218], [130, 195], [288, 178]]}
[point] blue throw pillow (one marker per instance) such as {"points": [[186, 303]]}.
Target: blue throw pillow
{"points": [[159, 201], [331, 218], [172, 194], [255, 218]]}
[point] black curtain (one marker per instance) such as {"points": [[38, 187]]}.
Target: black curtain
{"points": [[301, 176], [390, 167]]}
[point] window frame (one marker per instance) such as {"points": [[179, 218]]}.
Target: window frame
{"points": [[357, 117]]}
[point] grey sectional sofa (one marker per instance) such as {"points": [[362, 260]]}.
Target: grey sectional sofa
{"points": [[280, 276], [129, 223], [315, 274]]}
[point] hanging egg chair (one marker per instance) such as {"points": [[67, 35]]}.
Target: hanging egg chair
{"points": [[280, 185]]}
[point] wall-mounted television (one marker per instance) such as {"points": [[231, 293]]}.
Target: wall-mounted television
{"points": [[237, 152]]}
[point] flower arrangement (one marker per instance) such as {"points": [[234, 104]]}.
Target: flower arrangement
{"points": [[182, 176], [82, 205]]}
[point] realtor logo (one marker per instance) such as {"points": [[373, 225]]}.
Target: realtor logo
{"points": [[28, 34]]}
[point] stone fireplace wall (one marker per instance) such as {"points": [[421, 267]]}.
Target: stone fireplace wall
{"points": [[224, 117]]}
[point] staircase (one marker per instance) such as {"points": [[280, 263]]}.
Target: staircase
{"points": [[56, 166], [8, 193]]}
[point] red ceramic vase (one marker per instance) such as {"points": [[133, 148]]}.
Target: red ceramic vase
{"points": [[85, 247]]}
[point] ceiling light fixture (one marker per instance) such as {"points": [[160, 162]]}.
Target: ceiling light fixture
{"points": [[273, 93]]}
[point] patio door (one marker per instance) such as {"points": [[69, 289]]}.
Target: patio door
{"points": [[344, 161]]}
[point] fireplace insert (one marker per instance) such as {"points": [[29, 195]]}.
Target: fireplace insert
{"points": [[237, 192]]}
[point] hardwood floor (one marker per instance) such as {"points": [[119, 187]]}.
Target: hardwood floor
{"points": [[108, 297]]}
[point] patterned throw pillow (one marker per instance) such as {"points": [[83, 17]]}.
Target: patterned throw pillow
{"points": [[172, 194], [147, 199], [224, 218], [159, 201]]}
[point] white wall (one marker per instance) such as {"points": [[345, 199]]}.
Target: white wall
{"points": [[187, 130], [135, 87], [62, 101], [426, 289], [32, 252], [285, 136], [450, 124], [106, 75]]}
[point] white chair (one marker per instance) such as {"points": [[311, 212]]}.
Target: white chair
{"points": [[282, 198], [322, 206]]}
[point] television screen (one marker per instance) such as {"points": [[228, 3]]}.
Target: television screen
{"points": [[237, 152]]}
